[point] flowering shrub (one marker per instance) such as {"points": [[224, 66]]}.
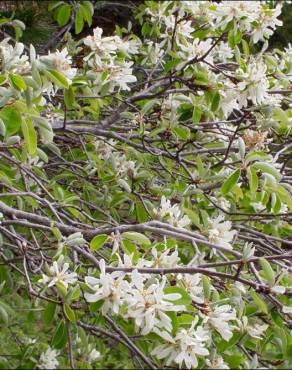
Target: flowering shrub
{"points": [[146, 192]]}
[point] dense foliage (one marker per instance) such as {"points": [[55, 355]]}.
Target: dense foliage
{"points": [[146, 191]]}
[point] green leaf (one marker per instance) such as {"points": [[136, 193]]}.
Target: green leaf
{"points": [[17, 82], [12, 120], [98, 241], [75, 294], [284, 195], [30, 136], [79, 22], [137, 237], [241, 147], [193, 216], [237, 36], [145, 29], [268, 168], [281, 116], [61, 289], [245, 48], [54, 4], [230, 182], [253, 179], [69, 97], [142, 215], [171, 64], [182, 132], [4, 317], [148, 106], [185, 319], [197, 113], [130, 249], [259, 302], [234, 37], [231, 42], [59, 334], [184, 297], [69, 313], [215, 102], [95, 306], [268, 271], [206, 287], [256, 156], [2, 128], [49, 313], [88, 11], [3, 79], [63, 14], [57, 78], [201, 78]]}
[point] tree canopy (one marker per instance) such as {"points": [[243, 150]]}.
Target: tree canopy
{"points": [[145, 176]]}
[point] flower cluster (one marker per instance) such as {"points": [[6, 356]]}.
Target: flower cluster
{"points": [[220, 232], [185, 347], [48, 359], [107, 66], [172, 213], [148, 201]]}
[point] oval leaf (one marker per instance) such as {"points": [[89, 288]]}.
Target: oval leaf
{"points": [[268, 271], [69, 313], [230, 182], [136, 237], [98, 241]]}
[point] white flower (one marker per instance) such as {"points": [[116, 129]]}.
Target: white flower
{"points": [[253, 329], [284, 208], [93, 356], [222, 202], [11, 58], [183, 29], [278, 289], [191, 283], [185, 347], [30, 340], [220, 232], [287, 309], [127, 47], [223, 52], [256, 330], [228, 101], [258, 206], [219, 318], [153, 53], [113, 72], [58, 273], [241, 12], [116, 240], [254, 85], [104, 149], [267, 22], [198, 49], [48, 359], [173, 214], [99, 44], [199, 9], [60, 61], [147, 305], [164, 259], [157, 13], [124, 166], [111, 287], [217, 363], [128, 262], [288, 53]]}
